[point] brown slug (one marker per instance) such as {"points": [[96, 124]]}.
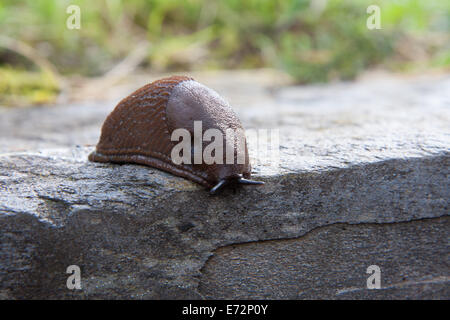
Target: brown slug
{"points": [[140, 128]]}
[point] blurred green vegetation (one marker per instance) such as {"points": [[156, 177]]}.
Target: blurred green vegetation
{"points": [[21, 87], [313, 40]]}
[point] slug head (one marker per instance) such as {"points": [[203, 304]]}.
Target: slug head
{"points": [[192, 102]]}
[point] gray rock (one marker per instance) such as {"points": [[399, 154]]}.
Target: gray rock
{"points": [[331, 263], [362, 180]]}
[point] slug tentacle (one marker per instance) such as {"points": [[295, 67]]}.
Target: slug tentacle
{"points": [[218, 186], [247, 181]]}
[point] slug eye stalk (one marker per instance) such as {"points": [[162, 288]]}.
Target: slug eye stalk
{"points": [[222, 183], [218, 186], [246, 181]]}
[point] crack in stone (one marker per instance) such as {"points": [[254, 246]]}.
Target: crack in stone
{"points": [[440, 279], [435, 280]]}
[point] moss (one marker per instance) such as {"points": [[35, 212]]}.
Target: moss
{"points": [[313, 43], [21, 87]]}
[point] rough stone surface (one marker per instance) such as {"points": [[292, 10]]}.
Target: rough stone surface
{"points": [[363, 179], [331, 262]]}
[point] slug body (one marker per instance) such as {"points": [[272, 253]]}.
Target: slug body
{"points": [[140, 127]]}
